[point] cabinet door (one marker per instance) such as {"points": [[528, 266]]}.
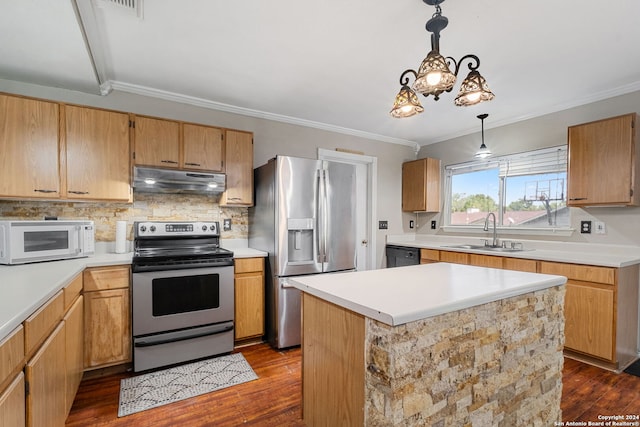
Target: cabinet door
{"points": [[74, 342], [239, 169], [29, 165], [249, 305], [45, 373], [12, 409], [203, 148], [589, 319], [157, 142], [601, 162], [107, 328], [97, 157], [421, 185]]}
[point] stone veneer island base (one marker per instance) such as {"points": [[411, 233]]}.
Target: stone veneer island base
{"points": [[497, 363]]}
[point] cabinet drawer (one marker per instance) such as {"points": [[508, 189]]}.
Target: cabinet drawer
{"points": [[71, 291], [11, 353], [518, 264], [105, 278], [585, 273], [247, 265], [42, 322], [454, 257], [429, 255]]}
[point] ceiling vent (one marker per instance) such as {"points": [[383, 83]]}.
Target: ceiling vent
{"points": [[130, 7]]}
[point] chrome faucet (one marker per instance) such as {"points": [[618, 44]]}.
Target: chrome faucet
{"points": [[486, 228]]}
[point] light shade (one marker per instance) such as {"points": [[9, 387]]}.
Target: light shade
{"points": [[434, 75], [483, 152], [473, 90], [406, 103]]}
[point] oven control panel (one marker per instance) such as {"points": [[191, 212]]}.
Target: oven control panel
{"points": [[157, 228]]}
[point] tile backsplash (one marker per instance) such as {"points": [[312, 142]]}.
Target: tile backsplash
{"points": [[146, 206]]}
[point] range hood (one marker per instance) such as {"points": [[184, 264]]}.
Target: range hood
{"points": [[155, 180]]}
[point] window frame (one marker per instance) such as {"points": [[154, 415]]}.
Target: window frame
{"points": [[492, 163]]}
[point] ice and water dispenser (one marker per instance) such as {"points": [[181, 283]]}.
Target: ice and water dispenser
{"points": [[301, 231]]}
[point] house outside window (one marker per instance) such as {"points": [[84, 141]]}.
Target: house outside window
{"points": [[525, 191]]}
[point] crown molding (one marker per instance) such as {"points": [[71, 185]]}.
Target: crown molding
{"points": [[219, 106]]}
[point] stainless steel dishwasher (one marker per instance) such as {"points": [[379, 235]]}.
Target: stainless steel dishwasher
{"points": [[398, 256]]}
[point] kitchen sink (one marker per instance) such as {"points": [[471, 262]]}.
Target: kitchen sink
{"points": [[490, 248]]}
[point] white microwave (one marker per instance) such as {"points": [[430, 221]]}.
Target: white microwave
{"points": [[34, 241]]}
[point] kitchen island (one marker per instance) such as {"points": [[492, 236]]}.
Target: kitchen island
{"points": [[429, 344]]}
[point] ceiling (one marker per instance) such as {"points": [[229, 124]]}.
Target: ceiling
{"points": [[330, 64]]}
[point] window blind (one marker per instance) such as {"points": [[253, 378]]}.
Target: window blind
{"points": [[547, 160]]}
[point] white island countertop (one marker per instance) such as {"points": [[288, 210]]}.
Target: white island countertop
{"points": [[400, 295]]}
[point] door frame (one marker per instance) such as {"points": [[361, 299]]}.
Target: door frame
{"points": [[371, 197]]}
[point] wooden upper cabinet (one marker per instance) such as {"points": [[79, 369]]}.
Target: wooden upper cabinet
{"points": [[602, 168], [156, 142], [29, 143], [239, 169], [421, 185], [203, 148], [97, 154]]}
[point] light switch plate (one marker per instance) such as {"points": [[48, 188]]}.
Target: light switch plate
{"points": [[600, 227]]}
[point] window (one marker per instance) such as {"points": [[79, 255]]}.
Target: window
{"points": [[525, 190]]}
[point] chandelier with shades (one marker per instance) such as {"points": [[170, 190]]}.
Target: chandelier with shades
{"points": [[435, 76]]}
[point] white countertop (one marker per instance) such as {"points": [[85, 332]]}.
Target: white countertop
{"points": [[569, 252], [405, 294], [24, 288]]}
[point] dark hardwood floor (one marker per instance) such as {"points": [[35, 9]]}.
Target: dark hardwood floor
{"points": [[274, 399]]}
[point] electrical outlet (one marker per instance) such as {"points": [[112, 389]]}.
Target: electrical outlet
{"points": [[410, 223], [585, 227], [383, 225], [226, 224], [433, 225], [600, 227]]}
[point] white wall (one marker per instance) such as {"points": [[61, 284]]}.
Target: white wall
{"points": [[270, 139], [622, 223]]}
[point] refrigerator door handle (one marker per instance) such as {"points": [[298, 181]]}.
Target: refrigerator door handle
{"points": [[325, 218], [320, 217]]}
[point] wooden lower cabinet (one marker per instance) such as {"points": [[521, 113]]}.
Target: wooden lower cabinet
{"points": [[46, 378], [589, 319], [107, 317], [107, 328], [249, 298], [12, 403], [601, 304], [601, 312]]}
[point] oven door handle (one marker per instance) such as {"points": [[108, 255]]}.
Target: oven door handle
{"points": [[182, 335]]}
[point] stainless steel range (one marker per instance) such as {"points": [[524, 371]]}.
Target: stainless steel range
{"points": [[182, 293]]}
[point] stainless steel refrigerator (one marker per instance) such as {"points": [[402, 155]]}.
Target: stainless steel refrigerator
{"points": [[304, 217]]}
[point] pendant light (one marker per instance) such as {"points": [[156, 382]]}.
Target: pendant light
{"points": [[434, 75], [483, 152]]}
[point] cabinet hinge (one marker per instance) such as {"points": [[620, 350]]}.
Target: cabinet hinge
{"points": [[134, 155], [26, 388], [631, 192], [132, 124]]}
